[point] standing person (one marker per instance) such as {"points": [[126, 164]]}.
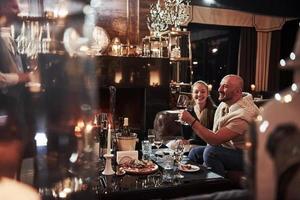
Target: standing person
{"points": [[226, 141], [13, 128]]}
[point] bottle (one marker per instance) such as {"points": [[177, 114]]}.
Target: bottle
{"points": [[125, 131]]}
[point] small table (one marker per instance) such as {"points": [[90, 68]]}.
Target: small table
{"points": [[143, 187], [87, 182]]}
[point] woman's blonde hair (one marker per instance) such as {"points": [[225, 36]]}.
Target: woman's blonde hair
{"points": [[201, 82]]}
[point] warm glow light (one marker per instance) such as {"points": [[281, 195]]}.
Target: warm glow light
{"points": [[118, 77], [277, 97], [62, 194], [80, 124], [41, 139], [214, 50], [264, 126], [282, 63], [287, 98], [73, 158], [89, 127], [259, 118], [252, 87], [154, 78], [209, 1], [84, 48], [77, 131], [209, 86], [248, 145], [292, 56], [62, 12], [67, 190], [294, 87]]}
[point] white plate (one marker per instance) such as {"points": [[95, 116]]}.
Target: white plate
{"points": [[189, 168]]}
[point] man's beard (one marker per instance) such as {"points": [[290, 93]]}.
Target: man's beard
{"points": [[223, 97]]}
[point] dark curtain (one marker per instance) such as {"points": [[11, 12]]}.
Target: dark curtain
{"points": [[247, 56], [273, 80]]}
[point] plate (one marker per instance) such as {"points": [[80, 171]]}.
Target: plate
{"points": [[134, 169], [188, 168]]}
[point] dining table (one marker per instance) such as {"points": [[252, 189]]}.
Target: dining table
{"points": [[64, 173]]}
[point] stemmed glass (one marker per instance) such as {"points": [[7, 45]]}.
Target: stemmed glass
{"points": [[101, 125], [151, 136], [183, 102], [157, 142], [178, 154]]}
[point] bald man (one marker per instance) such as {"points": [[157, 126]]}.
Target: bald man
{"points": [[226, 141]]}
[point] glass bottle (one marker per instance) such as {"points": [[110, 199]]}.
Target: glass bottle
{"points": [[125, 131]]}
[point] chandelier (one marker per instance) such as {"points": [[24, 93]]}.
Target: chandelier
{"points": [[173, 13], [156, 20]]}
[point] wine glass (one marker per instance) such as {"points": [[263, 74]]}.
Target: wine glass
{"points": [[183, 102], [151, 136], [157, 143], [178, 154]]}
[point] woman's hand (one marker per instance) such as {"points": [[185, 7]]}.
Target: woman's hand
{"points": [[185, 116]]}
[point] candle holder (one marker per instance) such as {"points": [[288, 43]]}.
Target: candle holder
{"points": [[108, 168]]}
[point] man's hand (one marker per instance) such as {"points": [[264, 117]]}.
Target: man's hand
{"points": [[23, 77]]}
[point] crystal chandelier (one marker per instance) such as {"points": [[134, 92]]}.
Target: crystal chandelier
{"points": [[156, 19], [177, 12], [172, 13]]}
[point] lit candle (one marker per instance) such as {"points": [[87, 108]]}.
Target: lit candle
{"points": [[78, 131], [108, 139], [48, 31]]}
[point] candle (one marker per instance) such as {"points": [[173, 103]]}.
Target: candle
{"points": [[78, 132], [108, 139], [48, 30]]}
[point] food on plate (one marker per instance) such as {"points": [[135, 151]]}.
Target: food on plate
{"points": [[139, 166], [186, 166], [189, 168]]}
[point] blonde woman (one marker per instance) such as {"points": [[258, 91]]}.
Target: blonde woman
{"points": [[203, 109]]}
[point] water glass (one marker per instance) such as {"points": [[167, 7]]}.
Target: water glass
{"points": [[168, 169], [146, 149]]}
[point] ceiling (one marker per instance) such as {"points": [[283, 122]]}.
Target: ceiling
{"points": [[288, 8]]}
